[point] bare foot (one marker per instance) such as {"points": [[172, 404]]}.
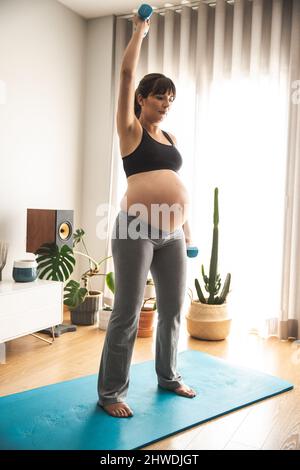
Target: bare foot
{"points": [[118, 410], [185, 391]]}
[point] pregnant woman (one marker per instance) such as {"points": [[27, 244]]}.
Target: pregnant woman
{"points": [[151, 162]]}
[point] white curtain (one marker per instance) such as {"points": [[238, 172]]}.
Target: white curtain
{"points": [[289, 321], [233, 65]]}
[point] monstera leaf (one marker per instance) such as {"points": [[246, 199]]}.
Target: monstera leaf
{"points": [[74, 294], [78, 236], [55, 263]]}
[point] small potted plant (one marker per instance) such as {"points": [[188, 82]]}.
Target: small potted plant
{"points": [[58, 264], [207, 318], [105, 312], [149, 291], [147, 314]]}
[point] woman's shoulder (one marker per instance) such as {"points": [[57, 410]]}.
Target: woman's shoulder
{"points": [[172, 137]]}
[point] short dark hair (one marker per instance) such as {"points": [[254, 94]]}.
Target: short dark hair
{"points": [[153, 83]]}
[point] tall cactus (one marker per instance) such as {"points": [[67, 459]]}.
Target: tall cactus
{"points": [[212, 285], [213, 282]]}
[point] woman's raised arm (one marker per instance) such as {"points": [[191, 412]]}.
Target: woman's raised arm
{"points": [[125, 112]]}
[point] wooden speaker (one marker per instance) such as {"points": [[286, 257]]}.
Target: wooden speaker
{"points": [[48, 226]]}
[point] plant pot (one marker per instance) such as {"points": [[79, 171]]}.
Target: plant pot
{"points": [[149, 292], [146, 320], [24, 270], [87, 312], [208, 322], [104, 317], [66, 312]]}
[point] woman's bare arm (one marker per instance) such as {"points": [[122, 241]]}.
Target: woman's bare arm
{"points": [[187, 233], [125, 113], [186, 226]]}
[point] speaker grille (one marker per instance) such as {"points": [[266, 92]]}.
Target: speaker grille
{"points": [[64, 228], [64, 231]]}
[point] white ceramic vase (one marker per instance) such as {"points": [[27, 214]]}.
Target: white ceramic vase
{"points": [[149, 291], [104, 317]]}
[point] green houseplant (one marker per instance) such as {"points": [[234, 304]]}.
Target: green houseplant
{"points": [[208, 317], [148, 310], [58, 264], [147, 314], [105, 312]]}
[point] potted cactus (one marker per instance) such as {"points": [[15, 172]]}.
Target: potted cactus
{"points": [[207, 317]]}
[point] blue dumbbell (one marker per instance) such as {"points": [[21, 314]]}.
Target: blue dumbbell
{"points": [[192, 251], [145, 11]]}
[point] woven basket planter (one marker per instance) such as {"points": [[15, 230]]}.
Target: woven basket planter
{"points": [[87, 312], [208, 322]]}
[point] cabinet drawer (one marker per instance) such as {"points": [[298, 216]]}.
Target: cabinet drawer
{"points": [[18, 324], [29, 299], [25, 309]]}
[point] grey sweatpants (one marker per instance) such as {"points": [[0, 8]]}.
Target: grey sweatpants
{"points": [[164, 254]]}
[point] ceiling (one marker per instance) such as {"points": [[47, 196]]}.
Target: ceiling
{"points": [[95, 8]]}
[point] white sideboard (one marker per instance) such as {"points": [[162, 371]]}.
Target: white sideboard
{"points": [[29, 307]]}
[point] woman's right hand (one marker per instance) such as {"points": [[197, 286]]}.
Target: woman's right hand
{"points": [[141, 25]]}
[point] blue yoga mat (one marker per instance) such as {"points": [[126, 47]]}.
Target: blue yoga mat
{"points": [[66, 416]]}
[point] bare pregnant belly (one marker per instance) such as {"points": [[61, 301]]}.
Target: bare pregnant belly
{"points": [[157, 197]]}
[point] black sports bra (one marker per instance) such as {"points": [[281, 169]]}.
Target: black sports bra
{"points": [[152, 155]]}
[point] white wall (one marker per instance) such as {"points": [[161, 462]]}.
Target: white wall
{"points": [[99, 119], [42, 62]]}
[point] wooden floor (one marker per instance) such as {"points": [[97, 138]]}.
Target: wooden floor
{"points": [[271, 424]]}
